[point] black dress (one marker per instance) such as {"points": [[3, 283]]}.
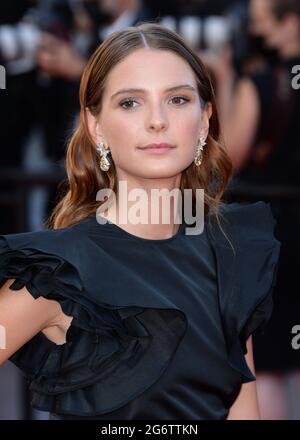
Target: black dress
{"points": [[160, 326]]}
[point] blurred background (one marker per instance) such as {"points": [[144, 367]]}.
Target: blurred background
{"points": [[252, 49]]}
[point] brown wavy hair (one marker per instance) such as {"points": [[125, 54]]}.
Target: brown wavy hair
{"points": [[85, 178]]}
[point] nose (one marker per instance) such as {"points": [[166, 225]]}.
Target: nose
{"points": [[157, 120]]}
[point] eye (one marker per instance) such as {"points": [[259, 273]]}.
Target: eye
{"points": [[181, 97], [128, 100]]}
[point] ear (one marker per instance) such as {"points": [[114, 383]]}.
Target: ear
{"points": [[207, 112], [93, 126]]}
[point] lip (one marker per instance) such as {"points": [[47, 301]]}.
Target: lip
{"points": [[157, 147]]}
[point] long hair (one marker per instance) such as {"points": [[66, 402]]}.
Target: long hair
{"points": [[85, 178]]}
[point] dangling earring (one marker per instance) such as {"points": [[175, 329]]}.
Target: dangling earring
{"points": [[199, 149], [104, 150]]}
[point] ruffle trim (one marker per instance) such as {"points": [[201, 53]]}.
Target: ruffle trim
{"points": [[112, 354], [246, 276]]}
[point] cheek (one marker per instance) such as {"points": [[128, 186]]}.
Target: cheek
{"points": [[124, 132], [128, 132], [185, 134], [187, 129]]}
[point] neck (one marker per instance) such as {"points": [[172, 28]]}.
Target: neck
{"points": [[144, 216]]}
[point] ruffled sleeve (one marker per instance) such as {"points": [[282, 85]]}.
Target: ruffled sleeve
{"points": [[247, 266], [116, 347]]}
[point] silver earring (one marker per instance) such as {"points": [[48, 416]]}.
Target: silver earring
{"points": [[199, 149], [103, 148]]}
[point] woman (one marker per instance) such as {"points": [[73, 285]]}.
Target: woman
{"points": [[141, 321]]}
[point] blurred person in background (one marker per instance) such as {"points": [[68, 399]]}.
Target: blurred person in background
{"points": [[44, 104], [260, 114], [58, 58]]}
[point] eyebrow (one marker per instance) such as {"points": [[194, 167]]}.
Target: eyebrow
{"points": [[134, 90]]}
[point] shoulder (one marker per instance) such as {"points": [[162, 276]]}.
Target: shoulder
{"points": [[40, 258], [245, 222], [59, 241], [244, 214], [247, 268], [241, 207]]}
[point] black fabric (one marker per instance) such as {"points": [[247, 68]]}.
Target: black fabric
{"points": [[160, 326]]}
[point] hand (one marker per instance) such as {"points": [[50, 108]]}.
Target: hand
{"points": [[58, 58]]}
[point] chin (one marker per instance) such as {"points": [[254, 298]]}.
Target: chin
{"points": [[156, 173]]}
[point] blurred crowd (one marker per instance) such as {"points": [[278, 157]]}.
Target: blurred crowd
{"points": [[252, 49]]}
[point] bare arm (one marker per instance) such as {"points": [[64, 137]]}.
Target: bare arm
{"points": [[246, 406], [22, 317]]}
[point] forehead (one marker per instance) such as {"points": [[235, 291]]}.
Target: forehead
{"points": [[150, 69]]}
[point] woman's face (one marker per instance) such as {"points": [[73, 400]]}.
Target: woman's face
{"points": [[132, 119]]}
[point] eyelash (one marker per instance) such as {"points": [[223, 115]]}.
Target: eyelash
{"points": [[133, 100]]}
